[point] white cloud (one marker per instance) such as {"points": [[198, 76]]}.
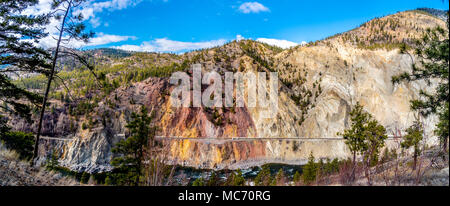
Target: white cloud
{"points": [[44, 6], [278, 42], [252, 7], [88, 9], [114, 4], [100, 39], [107, 38], [95, 22], [167, 45], [239, 37]]}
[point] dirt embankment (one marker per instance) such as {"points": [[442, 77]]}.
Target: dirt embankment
{"points": [[14, 172], [432, 170]]}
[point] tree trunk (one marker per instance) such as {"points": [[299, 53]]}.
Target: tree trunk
{"points": [[352, 177], [367, 171], [415, 160], [368, 157], [445, 144], [50, 78]]}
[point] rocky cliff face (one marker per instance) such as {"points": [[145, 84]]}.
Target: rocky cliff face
{"points": [[319, 83]]}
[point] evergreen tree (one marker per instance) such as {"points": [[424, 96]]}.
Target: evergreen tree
{"points": [[320, 168], [433, 52], [443, 125], [264, 177], [214, 180], [365, 137], [354, 137], [238, 178], [53, 161], [334, 165], [85, 177], [108, 180], [279, 178], [18, 33], [413, 137], [310, 170], [374, 135], [21, 142], [328, 167], [296, 177], [131, 150], [198, 182]]}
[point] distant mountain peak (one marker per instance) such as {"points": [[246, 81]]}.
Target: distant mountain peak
{"points": [[441, 14]]}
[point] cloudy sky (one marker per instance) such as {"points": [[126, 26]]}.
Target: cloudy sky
{"points": [[181, 25]]}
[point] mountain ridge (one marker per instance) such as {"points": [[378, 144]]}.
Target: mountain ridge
{"points": [[319, 83]]}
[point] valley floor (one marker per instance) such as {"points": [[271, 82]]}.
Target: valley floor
{"points": [[432, 170]]}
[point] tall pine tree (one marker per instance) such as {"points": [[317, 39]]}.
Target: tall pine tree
{"points": [[19, 35], [71, 27], [433, 66], [413, 137], [131, 151], [20, 55], [365, 137]]}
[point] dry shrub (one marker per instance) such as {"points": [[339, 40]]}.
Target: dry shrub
{"points": [[345, 172], [157, 171]]}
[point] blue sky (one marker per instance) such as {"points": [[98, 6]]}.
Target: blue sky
{"points": [[181, 25]]}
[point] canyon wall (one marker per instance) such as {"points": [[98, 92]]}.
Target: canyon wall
{"points": [[335, 73]]}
